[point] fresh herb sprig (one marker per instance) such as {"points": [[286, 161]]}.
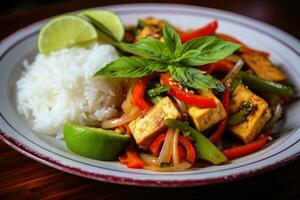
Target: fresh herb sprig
{"points": [[153, 55]]}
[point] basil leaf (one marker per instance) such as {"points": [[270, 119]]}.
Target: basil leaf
{"points": [[153, 92], [171, 38], [205, 50], [127, 67], [158, 66], [194, 44], [149, 48], [195, 78]]}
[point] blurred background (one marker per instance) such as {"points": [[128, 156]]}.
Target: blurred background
{"points": [[281, 13]]}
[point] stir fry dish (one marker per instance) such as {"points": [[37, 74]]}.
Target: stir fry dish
{"points": [[189, 98]]}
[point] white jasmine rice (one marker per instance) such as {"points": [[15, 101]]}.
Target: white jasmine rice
{"points": [[59, 87]]}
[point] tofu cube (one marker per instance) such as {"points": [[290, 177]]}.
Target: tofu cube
{"points": [[263, 67], [204, 118], [145, 129], [248, 130]]}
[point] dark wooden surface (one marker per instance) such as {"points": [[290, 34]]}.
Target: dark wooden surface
{"points": [[23, 178]]}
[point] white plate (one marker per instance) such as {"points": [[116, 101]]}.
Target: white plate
{"points": [[284, 49]]}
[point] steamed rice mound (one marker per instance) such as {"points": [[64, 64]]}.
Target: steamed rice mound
{"points": [[59, 87]]}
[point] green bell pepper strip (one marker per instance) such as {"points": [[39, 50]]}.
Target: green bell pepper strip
{"points": [[241, 115], [205, 149], [160, 89], [264, 85], [94, 143], [237, 118]]}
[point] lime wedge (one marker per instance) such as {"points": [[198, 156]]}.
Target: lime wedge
{"points": [[65, 31], [107, 20], [94, 143]]}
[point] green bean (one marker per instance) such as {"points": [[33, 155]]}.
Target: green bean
{"points": [[263, 85], [205, 149]]}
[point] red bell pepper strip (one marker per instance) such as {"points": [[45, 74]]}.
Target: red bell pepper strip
{"points": [[130, 158], [215, 137], [244, 150], [181, 152], [244, 48], [156, 145], [220, 66], [186, 97], [204, 31], [138, 94], [189, 148]]}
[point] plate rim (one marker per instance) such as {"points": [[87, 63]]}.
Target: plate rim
{"points": [[131, 181]]}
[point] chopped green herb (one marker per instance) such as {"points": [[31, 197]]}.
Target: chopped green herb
{"points": [[157, 90]]}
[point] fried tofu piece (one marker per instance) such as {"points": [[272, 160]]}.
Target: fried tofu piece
{"points": [[145, 129], [148, 31], [155, 22], [152, 28], [263, 67], [204, 118], [248, 130]]}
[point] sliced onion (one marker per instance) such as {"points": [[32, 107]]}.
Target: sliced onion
{"points": [[276, 116], [181, 105], [233, 58], [127, 105], [166, 150], [112, 123], [148, 159], [175, 156], [180, 167], [232, 74]]}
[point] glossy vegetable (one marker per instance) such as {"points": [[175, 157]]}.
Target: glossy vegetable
{"points": [[131, 159], [233, 73], [241, 115], [237, 118], [185, 96], [244, 150], [220, 66], [276, 117], [94, 143], [148, 159], [265, 86], [189, 148], [215, 137], [175, 152], [126, 118], [203, 31], [138, 94], [153, 92], [166, 150], [205, 149], [156, 145]]}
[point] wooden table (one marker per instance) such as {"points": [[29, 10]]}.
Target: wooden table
{"points": [[23, 178]]}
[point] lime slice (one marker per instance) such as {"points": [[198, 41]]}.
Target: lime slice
{"points": [[108, 20], [65, 31], [94, 143]]}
